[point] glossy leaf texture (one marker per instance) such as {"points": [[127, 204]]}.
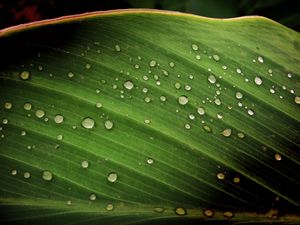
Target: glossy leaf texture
{"points": [[149, 117]]}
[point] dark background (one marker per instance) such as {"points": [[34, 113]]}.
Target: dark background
{"points": [[287, 12]]}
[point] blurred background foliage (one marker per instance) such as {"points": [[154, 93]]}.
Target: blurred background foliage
{"points": [[286, 12]]}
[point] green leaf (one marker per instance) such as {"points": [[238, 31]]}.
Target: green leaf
{"points": [[149, 117]]}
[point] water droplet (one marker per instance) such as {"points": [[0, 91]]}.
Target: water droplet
{"points": [[297, 99], [187, 87], [183, 100], [47, 175], [226, 132], [187, 126], [208, 212], [5, 121], [201, 111], [218, 101], [207, 128], [258, 81], [59, 137], [14, 172], [145, 90], [146, 121], [216, 58], [108, 124], [260, 59], [289, 75], [239, 95], [88, 66], [220, 116], [163, 98], [221, 176], [98, 105], [172, 64], [212, 79], [224, 67], [238, 70], [159, 209], [117, 48], [92, 197], [236, 180], [88, 123], [8, 105], [26, 175], [241, 135], [112, 177], [177, 85], [25, 75], [250, 112], [195, 47], [228, 214], [147, 99], [109, 207], [191, 116], [278, 157], [58, 118], [84, 164], [180, 211], [69, 202], [128, 84], [70, 74], [27, 106], [150, 161], [152, 63], [40, 113]]}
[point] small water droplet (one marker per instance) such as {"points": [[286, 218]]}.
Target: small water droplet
{"points": [[88, 123], [152, 63], [212, 79], [241, 135], [146, 121], [195, 47], [158, 209], [221, 176], [183, 100], [228, 214], [98, 105], [260, 59], [109, 207], [150, 161], [14, 172], [187, 126], [163, 98], [84, 164], [191, 116], [207, 128], [250, 112], [108, 124], [88, 66], [278, 157], [258, 81], [216, 58], [70, 74], [289, 75], [226, 132], [218, 101], [5, 121], [92, 197], [236, 180], [58, 118], [198, 57], [187, 87], [220, 116], [40, 113], [24, 75], [224, 67], [297, 99], [27, 175], [238, 95], [47, 175], [8, 105], [201, 111], [177, 85], [69, 202], [117, 48], [112, 177], [147, 99], [27, 106], [180, 211], [128, 84], [172, 64], [208, 212], [238, 70], [59, 137]]}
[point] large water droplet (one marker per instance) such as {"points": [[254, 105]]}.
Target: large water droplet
{"points": [[226, 132], [108, 124], [92, 197], [128, 84], [260, 59], [58, 118], [180, 211], [24, 75], [258, 81], [112, 177], [8, 105], [239, 95], [27, 106], [40, 113], [47, 175], [212, 79], [183, 100], [201, 111], [88, 123], [297, 99], [250, 112]]}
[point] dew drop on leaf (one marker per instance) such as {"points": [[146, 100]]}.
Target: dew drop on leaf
{"points": [[84, 164], [47, 175], [207, 128], [241, 135], [27, 175], [177, 85], [238, 70], [23, 133], [58, 118], [92, 197], [180, 211], [70, 74], [228, 214], [158, 209], [117, 48], [278, 157], [238, 95], [5, 121], [152, 63], [24, 75], [69, 202], [150, 161], [221, 176], [8, 105], [88, 66], [208, 212], [236, 180], [27, 106], [198, 57], [59, 137], [297, 99], [201, 111], [260, 59], [109, 207], [226, 132], [163, 98], [250, 112], [183, 100], [112, 177], [14, 172], [212, 79], [195, 47], [40, 113], [128, 84], [216, 58], [108, 124], [98, 105], [172, 64], [258, 81], [88, 123]]}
